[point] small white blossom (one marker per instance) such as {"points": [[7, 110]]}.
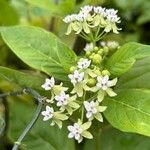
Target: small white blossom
{"points": [[88, 47], [76, 77], [79, 130], [62, 99], [70, 18], [75, 132], [113, 44], [90, 108], [82, 16], [111, 16], [48, 113], [94, 110], [104, 86], [104, 83], [101, 11], [86, 9], [49, 84], [84, 63]]}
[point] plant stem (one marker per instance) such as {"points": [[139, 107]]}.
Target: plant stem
{"points": [[40, 100], [82, 111], [28, 128]]}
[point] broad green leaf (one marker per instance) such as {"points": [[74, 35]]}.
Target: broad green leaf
{"points": [[137, 77], [60, 7], [42, 136], [21, 79], [129, 111], [40, 49], [112, 139], [124, 58], [8, 15]]}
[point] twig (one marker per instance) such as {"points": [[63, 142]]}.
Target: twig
{"points": [[40, 100], [28, 128]]}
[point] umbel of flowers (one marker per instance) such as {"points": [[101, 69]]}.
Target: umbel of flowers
{"points": [[91, 81]]}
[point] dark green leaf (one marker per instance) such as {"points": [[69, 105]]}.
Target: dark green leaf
{"points": [[112, 139], [20, 78]]}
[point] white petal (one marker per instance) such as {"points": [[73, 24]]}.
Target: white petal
{"points": [[70, 135], [88, 114]]}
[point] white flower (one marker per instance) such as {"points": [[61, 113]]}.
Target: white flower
{"points": [[79, 130], [49, 84], [75, 132], [76, 77], [48, 114], [104, 83], [90, 108], [84, 63], [82, 16], [111, 16], [94, 110], [86, 9], [112, 44], [88, 47], [101, 11], [62, 99], [70, 18]]}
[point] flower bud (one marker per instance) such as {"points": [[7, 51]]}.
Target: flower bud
{"points": [[106, 50], [95, 49], [97, 72], [105, 72], [100, 51], [72, 69], [88, 53], [91, 82], [97, 59], [92, 66]]}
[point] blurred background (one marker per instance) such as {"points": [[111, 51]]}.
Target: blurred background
{"points": [[48, 14]]}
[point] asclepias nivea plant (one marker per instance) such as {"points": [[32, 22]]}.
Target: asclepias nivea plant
{"points": [[83, 88]]}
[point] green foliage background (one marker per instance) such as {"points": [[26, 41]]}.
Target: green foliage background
{"points": [[48, 14]]}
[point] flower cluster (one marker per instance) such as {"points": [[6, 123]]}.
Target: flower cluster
{"points": [[87, 76], [91, 19], [90, 80]]}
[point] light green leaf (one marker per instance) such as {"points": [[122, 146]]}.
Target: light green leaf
{"points": [[129, 111], [124, 58], [42, 135], [61, 7], [8, 15], [40, 49], [21, 79]]}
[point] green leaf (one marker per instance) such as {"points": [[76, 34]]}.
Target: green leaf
{"points": [[61, 7], [124, 58], [112, 139], [137, 77], [40, 49], [8, 15], [42, 135], [20, 78], [129, 111]]}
